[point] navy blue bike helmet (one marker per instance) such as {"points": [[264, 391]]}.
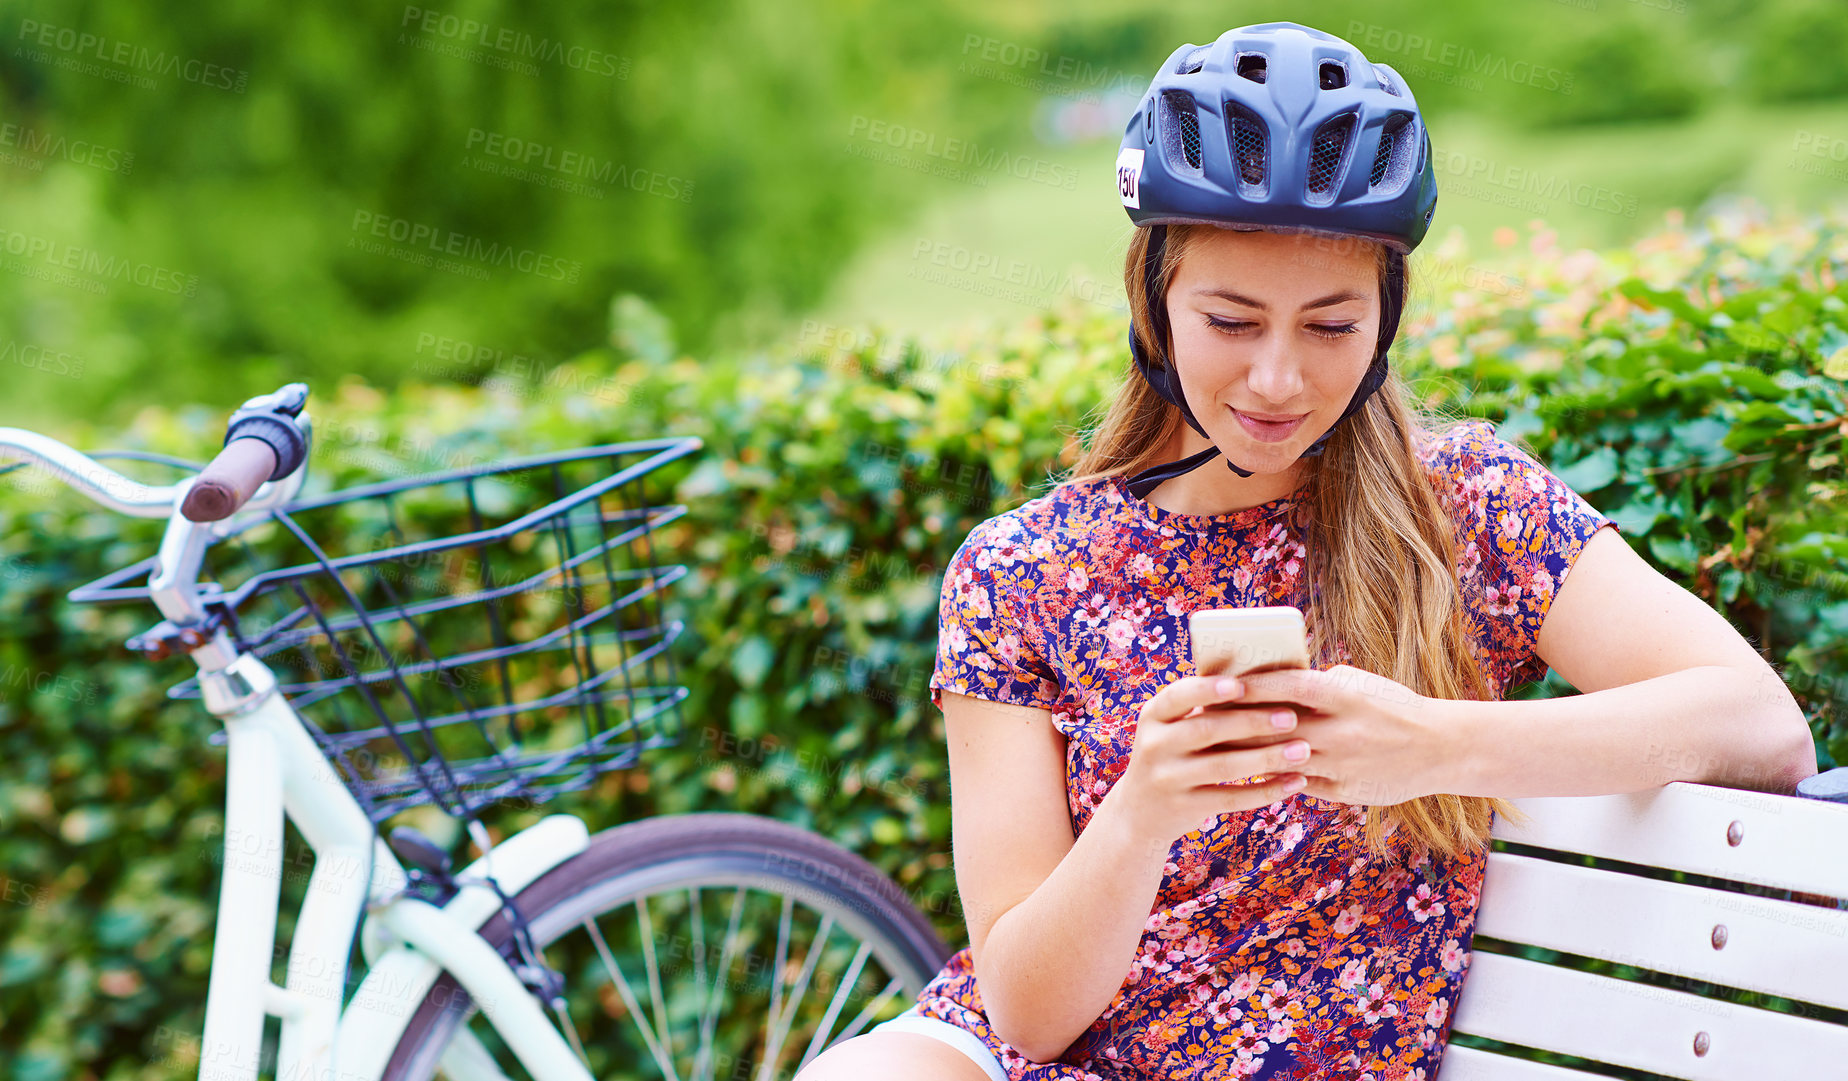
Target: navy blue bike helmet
{"points": [[1277, 126]]}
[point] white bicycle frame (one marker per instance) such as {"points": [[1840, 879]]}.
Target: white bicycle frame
{"points": [[276, 772]]}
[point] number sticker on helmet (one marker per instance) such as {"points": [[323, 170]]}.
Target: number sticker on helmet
{"points": [[1129, 177]]}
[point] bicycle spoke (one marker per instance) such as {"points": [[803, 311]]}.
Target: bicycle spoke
{"points": [[714, 1018], [628, 999], [564, 1019], [699, 980], [711, 1017], [775, 1049], [646, 926], [776, 980], [819, 1040], [892, 987]]}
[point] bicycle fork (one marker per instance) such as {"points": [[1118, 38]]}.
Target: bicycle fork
{"points": [[276, 771]]}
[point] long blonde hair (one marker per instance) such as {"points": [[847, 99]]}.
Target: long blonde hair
{"points": [[1385, 575]]}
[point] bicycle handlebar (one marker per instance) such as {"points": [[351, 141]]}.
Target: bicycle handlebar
{"points": [[92, 478], [230, 480]]}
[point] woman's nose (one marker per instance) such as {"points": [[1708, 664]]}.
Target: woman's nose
{"points": [[1274, 376]]}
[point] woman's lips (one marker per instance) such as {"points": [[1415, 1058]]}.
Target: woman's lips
{"points": [[1269, 431]]}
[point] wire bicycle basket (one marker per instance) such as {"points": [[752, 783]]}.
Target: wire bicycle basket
{"points": [[463, 650]]}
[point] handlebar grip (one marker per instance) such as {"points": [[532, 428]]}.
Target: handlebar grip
{"points": [[229, 481]]}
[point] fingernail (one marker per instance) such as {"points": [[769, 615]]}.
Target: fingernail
{"points": [[1295, 784], [1225, 686], [1296, 752], [1283, 718]]}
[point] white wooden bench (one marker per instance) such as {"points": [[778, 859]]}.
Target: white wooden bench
{"points": [[1795, 847]]}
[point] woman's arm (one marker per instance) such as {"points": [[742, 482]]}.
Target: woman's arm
{"points": [[1054, 924], [1671, 692]]}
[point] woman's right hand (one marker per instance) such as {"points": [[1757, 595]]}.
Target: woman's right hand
{"points": [[1186, 751]]}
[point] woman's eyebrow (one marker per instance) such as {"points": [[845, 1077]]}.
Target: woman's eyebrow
{"points": [[1239, 298]]}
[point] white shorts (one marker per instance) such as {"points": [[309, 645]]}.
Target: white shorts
{"points": [[960, 1038]]}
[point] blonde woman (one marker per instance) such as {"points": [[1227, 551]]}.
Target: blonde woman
{"points": [[1172, 876]]}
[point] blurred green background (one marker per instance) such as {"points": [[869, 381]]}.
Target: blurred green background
{"points": [[759, 225], [204, 201]]}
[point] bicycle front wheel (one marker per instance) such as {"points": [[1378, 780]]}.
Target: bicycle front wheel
{"points": [[701, 946]]}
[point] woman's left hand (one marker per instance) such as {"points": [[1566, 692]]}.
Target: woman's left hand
{"points": [[1372, 740]]}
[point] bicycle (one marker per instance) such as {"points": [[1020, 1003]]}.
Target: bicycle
{"points": [[469, 653]]}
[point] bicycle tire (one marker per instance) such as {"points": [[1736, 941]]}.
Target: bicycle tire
{"points": [[702, 849]]}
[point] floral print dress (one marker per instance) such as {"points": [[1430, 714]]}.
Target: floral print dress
{"points": [[1277, 946]]}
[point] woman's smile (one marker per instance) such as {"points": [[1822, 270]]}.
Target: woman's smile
{"points": [[1269, 431]]}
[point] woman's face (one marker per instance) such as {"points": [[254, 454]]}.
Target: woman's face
{"points": [[1272, 325]]}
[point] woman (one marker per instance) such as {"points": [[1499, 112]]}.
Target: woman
{"points": [[1148, 898]]}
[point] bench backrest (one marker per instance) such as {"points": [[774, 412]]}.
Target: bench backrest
{"points": [[1540, 893]]}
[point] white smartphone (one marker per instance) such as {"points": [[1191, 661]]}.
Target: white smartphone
{"points": [[1244, 641]]}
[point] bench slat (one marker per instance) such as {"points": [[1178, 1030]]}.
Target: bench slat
{"points": [[1475, 1064], [1779, 947], [1785, 842], [1776, 947], [1648, 1028]]}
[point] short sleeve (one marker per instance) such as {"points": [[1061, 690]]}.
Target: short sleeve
{"points": [[1526, 528], [987, 644]]}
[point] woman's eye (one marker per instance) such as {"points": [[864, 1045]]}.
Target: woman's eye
{"points": [[1323, 330]]}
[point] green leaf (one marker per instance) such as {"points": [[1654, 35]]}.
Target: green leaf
{"points": [[1591, 472], [751, 660], [888, 830], [1681, 553], [1755, 423], [1836, 367], [1641, 513]]}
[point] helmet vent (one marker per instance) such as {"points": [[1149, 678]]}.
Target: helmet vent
{"points": [[1248, 149], [1334, 75], [1182, 130], [1252, 66], [1326, 153], [1393, 161], [1386, 82], [1193, 61]]}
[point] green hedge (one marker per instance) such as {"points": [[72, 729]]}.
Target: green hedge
{"points": [[1690, 386]]}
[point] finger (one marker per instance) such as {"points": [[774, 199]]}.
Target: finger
{"points": [[1218, 767], [1221, 727], [1180, 697], [1308, 687], [1239, 797]]}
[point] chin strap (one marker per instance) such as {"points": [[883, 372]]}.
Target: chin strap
{"points": [[1167, 383]]}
